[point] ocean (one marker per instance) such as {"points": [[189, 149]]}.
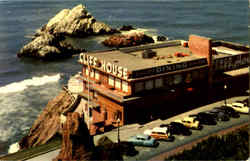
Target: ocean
{"points": [[26, 85]]}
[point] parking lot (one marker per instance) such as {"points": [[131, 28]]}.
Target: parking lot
{"points": [[146, 153]]}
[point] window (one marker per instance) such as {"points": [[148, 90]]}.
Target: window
{"points": [[158, 83], [169, 80], [97, 76], [111, 80], [117, 83], [92, 73], [177, 79], [149, 85], [125, 86], [95, 94], [139, 86], [87, 71]]}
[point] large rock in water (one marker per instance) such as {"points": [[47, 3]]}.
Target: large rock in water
{"points": [[48, 47], [49, 43], [76, 22], [128, 40], [48, 122]]}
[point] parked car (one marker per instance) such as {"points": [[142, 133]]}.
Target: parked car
{"points": [[190, 122], [220, 116], [239, 107], [143, 140], [160, 133], [229, 111], [205, 118], [176, 128]]}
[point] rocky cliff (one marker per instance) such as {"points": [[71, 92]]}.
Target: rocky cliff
{"points": [[47, 124], [76, 141], [48, 42]]}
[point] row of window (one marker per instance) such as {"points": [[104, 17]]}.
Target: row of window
{"points": [[169, 80], [92, 73], [118, 83], [112, 81]]}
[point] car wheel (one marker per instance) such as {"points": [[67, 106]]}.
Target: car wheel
{"points": [[156, 144], [200, 127]]}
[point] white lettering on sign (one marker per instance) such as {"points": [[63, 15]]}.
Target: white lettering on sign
{"points": [[104, 66]]}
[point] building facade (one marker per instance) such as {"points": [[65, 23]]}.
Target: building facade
{"points": [[124, 86]]}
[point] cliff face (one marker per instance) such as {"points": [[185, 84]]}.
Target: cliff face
{"points": [[48, 122], [76, 141], [48, 42]]}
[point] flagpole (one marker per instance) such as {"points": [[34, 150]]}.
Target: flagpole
{"points": [[88, 98]]}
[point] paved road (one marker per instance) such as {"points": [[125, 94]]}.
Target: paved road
{"points": [[147, 153]]}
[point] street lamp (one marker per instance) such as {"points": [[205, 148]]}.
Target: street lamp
{"points": [[225, 88], [118, 130]]}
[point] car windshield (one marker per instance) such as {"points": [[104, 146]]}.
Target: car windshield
{"points": [[143, 137]]}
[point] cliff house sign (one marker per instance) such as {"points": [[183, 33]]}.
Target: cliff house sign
{"points": [[108, 67]]}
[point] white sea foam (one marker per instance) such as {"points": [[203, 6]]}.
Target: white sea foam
{"points": [[151, 32], [22, 85], [19, 110], [14, 148]]}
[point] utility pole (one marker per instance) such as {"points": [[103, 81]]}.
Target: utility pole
{"points": [[118, 131]]}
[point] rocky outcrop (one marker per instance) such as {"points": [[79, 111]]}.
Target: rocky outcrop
{"points": [[76, 141], [48, 47], [127, 28], [161, 38], [128, 40], [48, 42], [76, 22], [47, 124]]}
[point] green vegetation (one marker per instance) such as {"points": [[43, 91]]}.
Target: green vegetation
{"points": [[232, 146], [29, 153]]}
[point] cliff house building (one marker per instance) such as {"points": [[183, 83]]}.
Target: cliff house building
{"points": [[130, 84]]}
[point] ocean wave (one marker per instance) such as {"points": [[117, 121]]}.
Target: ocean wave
{"points": [[14, 148], [19, 110], [34, 81]]}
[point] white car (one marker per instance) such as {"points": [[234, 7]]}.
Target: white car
{"points": [[157, 129], [239, 107], [190, 122], [160, 133]]}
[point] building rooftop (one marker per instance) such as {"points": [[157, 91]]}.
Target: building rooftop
{"points": [[134, 61]]}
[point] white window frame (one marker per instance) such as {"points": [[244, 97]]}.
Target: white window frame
{"points": [[124, 86], [97, 75], [118, 83], [92, 73], [87, 71], [111, 80]]}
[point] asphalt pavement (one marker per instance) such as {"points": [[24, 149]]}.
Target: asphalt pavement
{"points": [[146, 153]]}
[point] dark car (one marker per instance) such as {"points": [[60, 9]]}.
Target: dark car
{"points": [[229, 111], [219, 115], [176, 128], [205, 118]]}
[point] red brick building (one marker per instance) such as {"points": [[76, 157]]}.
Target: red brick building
{"points": [[132, 83]]}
